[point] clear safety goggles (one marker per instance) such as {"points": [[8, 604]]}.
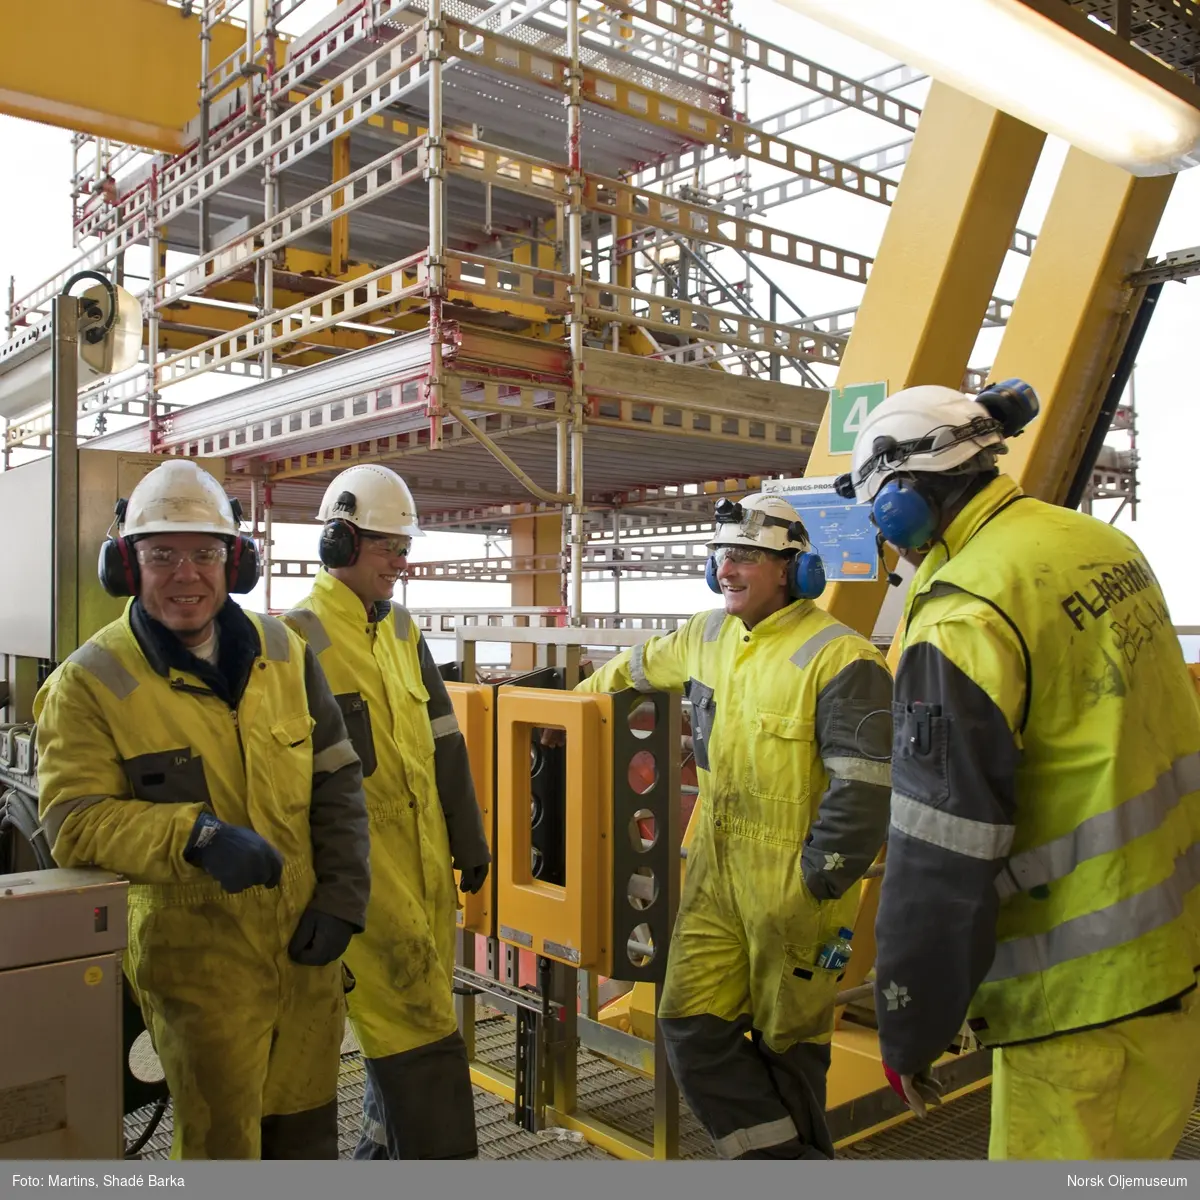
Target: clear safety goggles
{"points": [[391, 545], [167, 558], [740, 554]]}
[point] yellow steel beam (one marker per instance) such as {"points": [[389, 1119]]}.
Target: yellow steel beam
{"points": [[942, 249], [1070, 319], [339, 230], [533, 536], [126, 70]]}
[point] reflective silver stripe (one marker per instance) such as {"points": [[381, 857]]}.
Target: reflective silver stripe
{"points": [[275, 640], [52, 823], [334, 758], [106, 667], [402, 621], [444, 726], [863, 770], [636, 669], [712, 625], [308, 625], [818, 642], [1103, 833], [975, 839], [1121, 922], [757, 1137], [374, 1131]]}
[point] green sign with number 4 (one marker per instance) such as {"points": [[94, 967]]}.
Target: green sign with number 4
{"points": [[849, 408]]}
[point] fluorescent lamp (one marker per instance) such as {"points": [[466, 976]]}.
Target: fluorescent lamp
{"points": [[1050, 71]]}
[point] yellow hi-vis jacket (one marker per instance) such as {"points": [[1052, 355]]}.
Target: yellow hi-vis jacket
{"points": [[423, 813], [1045, 833], [791, 727]]}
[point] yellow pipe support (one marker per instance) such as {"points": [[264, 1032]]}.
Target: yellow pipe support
{"points": [[1068, 322], [125, 70]]}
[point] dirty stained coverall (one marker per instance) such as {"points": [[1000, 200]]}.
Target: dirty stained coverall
{"points": [[1044, 851], [423, 815], [136, 737], [791, 728]]}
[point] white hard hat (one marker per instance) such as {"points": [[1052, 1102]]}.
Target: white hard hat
{"points": [[373, 498], [178, 497], [926, 428], [766, 521]]}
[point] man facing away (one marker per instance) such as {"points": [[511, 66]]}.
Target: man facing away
{"points": [[197, 749], [1044, 852], [425, 821], [791, 727]]}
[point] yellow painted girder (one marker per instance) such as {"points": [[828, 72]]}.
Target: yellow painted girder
{"points": [[1068, 321], [127, 70]]}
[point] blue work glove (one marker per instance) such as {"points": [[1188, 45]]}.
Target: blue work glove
{"points": [[319, 939], [472, 878], [237, 858]]}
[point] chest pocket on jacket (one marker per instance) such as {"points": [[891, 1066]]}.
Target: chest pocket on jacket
{"points": [[167, 777], [704, 714], [357, 715], [780, 758], [291, 762]]}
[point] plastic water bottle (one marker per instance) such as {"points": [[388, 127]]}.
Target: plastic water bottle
{"points": [[835, 954]]}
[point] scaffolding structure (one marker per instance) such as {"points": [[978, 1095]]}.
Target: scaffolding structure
{"points": [[489, 244]]}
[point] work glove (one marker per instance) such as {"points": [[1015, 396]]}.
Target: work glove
{"points": [[473, 878], [920, 1091], [237, 858], [319, 939]]}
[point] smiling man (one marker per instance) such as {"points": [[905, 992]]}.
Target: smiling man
{"points": [[791, 724], [424, 819], [197, 749]]}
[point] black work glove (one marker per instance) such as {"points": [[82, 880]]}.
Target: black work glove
{"points": [[236, 857], [473, 878], [319, 939]]}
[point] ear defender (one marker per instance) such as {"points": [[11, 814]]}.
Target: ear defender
{"points": [[118, 567], [903, 515], [806, 576]]}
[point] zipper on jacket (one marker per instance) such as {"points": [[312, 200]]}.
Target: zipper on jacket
{"points": [[178, 685]]}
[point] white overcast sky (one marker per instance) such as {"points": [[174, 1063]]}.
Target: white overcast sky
{"points": [[36, 242]]}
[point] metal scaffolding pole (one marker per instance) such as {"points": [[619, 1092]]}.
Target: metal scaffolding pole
{"points": [[436, 178], [575, 250]]}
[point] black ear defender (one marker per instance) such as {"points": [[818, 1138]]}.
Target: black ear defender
{"points": [[340, 543]]}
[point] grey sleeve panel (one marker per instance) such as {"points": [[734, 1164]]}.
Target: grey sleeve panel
{"points": [[452, 770], [854, 736], [954, 767], [338, 812]]}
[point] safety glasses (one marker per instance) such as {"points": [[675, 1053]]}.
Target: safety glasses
{"points": [[740, 554], [166, 558], [390, 545]]}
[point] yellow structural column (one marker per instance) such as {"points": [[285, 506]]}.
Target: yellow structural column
{"points": [[1070, 318], [540, 536], [933, 278]]}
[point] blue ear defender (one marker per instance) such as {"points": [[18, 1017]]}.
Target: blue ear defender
{"points": [[903, 515], [806, 575]]}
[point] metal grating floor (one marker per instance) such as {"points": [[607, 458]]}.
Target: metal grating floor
{"points": [[625, 1101]]}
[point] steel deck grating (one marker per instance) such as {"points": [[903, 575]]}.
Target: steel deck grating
{"points": [[625, 1101]]}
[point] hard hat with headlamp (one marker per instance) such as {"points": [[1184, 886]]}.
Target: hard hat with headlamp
{"points": [[770, 523], [929, 430]]}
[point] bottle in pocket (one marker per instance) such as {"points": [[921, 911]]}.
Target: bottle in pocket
{"points": [[835, 954]]}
